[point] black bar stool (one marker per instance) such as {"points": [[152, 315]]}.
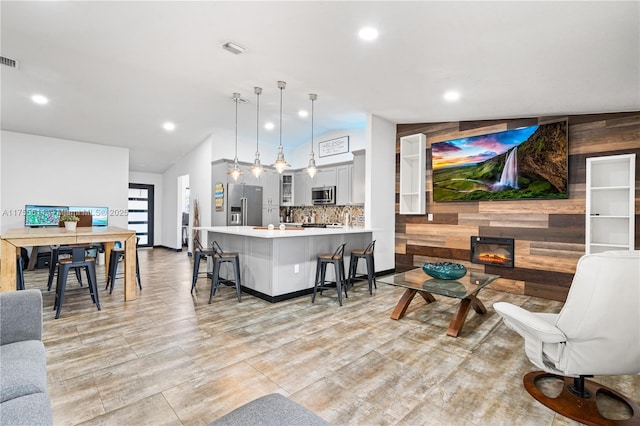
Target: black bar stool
{"points": [[337, 258], [218, 259], [78, 260], [199, 253], [116, 255], [54, 261], [367, 255]]}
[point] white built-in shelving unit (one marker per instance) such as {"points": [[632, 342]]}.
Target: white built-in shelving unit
{"points": [[412, 174], [610, 212]]}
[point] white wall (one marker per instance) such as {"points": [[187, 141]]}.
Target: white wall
{"points": [[50, 171], [155, 180], [196, 164], [380, 193], [299, 156]]}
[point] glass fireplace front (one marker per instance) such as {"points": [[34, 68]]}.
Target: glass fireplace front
{"points": [[493, 251]]}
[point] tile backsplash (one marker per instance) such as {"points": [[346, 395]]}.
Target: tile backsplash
{"points": [[326, 214]]}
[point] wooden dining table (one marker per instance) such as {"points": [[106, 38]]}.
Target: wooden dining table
{"points": [[13, 239]]}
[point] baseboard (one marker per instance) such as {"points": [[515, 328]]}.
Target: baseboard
{"points": [[177, 250], [278, 298], [387, 272]]}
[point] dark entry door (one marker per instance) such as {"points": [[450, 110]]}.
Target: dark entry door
{"points": [[141, 212]]}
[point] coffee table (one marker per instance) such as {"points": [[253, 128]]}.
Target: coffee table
{"points": [[466, 289]]}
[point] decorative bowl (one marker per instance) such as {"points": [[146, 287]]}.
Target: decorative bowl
{"points": [[444, 270]]}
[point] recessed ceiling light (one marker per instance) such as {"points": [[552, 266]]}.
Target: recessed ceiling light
{"points": [[269, 125], [451, 96], [233, 48], [169, 126], [40, 99], [368, 33], [303, 113]]}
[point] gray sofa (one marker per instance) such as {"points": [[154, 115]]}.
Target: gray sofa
{"points": [[23, 365]]}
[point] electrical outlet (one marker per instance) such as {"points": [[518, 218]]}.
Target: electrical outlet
{"points": [[296, 268], [430, 217]]}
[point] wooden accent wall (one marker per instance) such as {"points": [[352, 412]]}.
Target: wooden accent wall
{"points": [[549, 234]]}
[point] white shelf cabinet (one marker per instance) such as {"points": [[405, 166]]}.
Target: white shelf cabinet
{"points": [[287, 189], [610, 212], [412, 174]]}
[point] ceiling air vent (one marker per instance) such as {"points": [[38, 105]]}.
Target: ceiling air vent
{"points": [[8, 62]]}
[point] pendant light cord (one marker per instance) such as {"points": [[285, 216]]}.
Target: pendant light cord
{"points": [[236, 157], [257, 121], [281, 117], [312, 102]]}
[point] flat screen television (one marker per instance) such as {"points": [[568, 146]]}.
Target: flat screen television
{"points": [[39, 216], [99, 215], [525, 163]]}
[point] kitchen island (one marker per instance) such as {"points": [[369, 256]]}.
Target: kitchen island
{"points": [[278, 264]]}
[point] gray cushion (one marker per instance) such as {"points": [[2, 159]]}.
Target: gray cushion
{"points": [[21, 314], [270, 410], [34, 409], [23, 369]]}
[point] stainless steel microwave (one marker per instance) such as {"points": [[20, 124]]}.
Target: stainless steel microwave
{"points": [[323, 195]]}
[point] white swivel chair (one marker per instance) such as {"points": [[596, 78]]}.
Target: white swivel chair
{"points": [[597, 332]]}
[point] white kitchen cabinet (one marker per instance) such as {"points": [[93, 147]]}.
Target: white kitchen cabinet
{"points": [[270, 182], [343, 184], [325, 177], [287, 189], [610, 197], [358, 177], [271, 216], [412, 174], [302, 188]]}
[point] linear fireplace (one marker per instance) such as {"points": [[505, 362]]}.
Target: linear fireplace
{"points": [[493, 251]]}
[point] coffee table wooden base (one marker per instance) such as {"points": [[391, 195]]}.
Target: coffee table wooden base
{"points": [[458, 318]]}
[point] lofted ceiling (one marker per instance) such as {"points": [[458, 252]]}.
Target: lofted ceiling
{"points": [[115, 71]]}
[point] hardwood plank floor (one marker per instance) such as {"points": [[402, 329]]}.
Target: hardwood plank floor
{"points": [[170, 358]]}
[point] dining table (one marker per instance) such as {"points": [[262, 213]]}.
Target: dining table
{"points": [[13, 239]]}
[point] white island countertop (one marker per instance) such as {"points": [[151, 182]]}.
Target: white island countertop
{"points": [[261, 232]]}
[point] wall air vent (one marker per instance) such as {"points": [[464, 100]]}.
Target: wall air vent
{"points": [[8, 62]]}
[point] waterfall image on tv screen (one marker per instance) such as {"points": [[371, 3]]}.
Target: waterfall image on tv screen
{"points": [[525, 163]]}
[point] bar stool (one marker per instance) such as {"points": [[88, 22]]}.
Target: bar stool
{"points": [[199, 253], [78, 260], [54, 261], [116, 255], [337, 258], [218, 259], [367, 255]]}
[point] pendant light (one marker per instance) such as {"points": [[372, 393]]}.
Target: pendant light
{"points": [[257, 168], [281, 164], [235, 171], [311, 168]]}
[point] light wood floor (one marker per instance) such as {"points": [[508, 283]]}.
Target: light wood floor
{"points": [[170, 358]]}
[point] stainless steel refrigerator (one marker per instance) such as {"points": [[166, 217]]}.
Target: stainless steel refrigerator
{"points": [[244, 204]]}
